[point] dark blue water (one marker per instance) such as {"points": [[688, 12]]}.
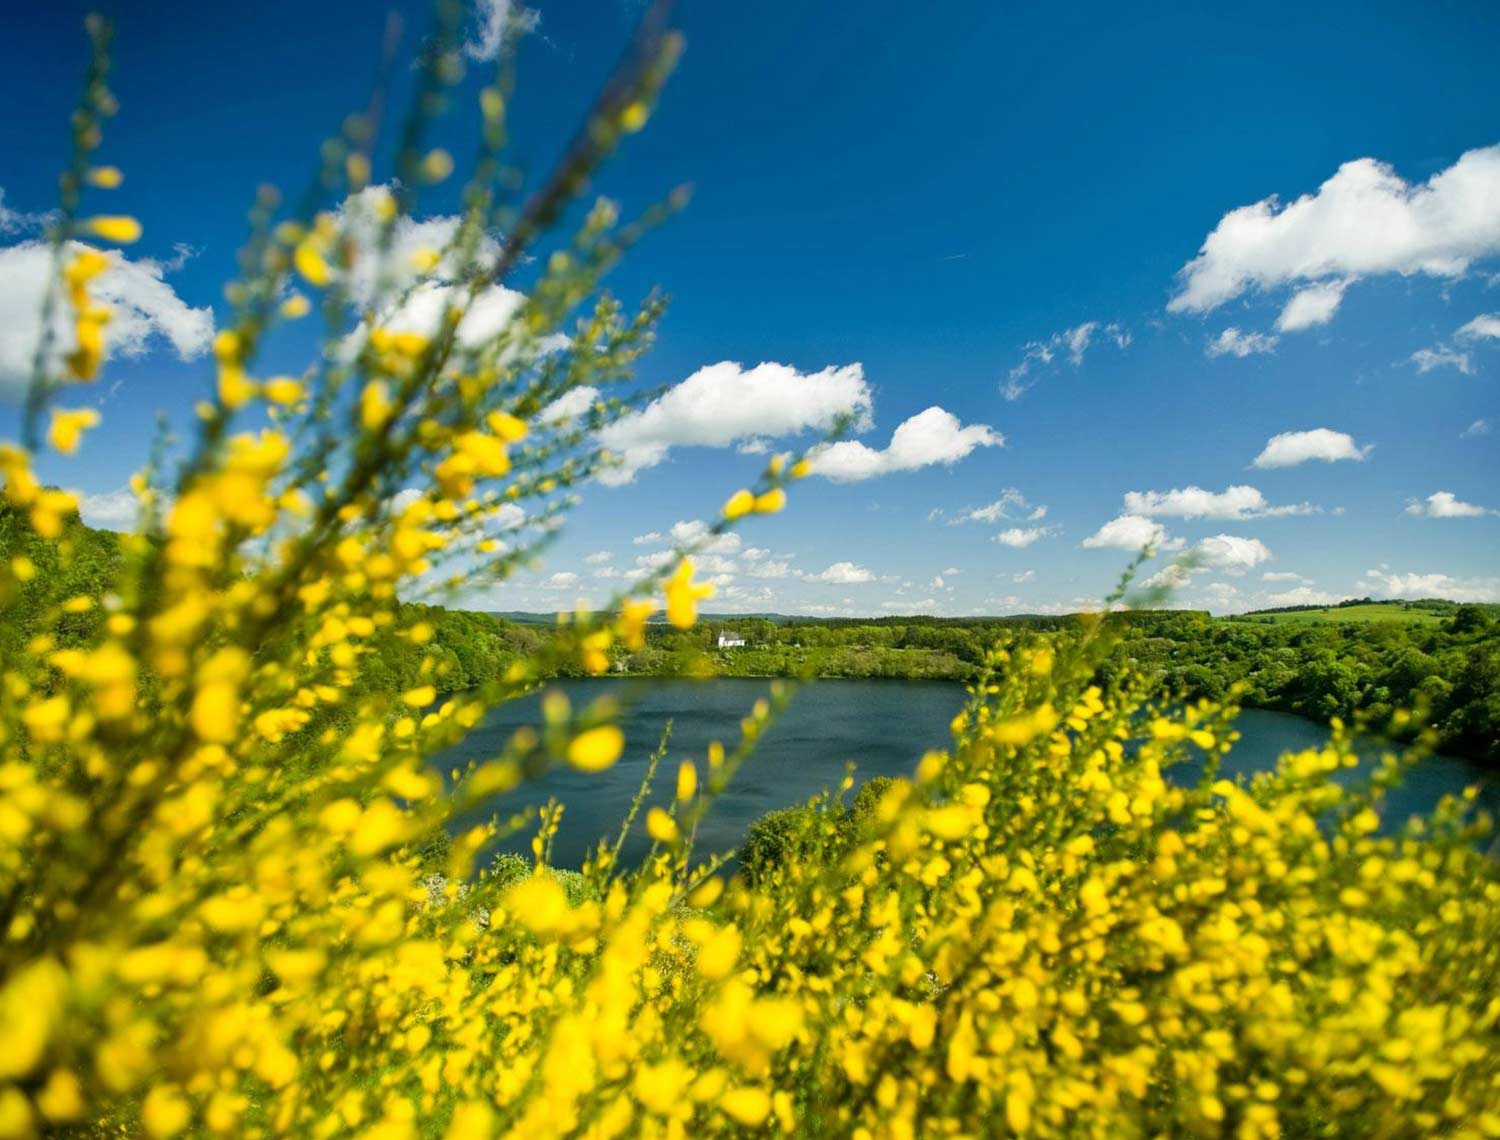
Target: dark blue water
{"points": [[882, 726]]}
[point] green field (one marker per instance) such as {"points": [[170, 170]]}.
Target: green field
{"points": [[1366, 611]]}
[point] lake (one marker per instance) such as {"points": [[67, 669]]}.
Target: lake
{"points": [[883, 726]]}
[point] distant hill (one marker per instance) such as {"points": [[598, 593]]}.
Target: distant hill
{"points": [[1363, 609]]}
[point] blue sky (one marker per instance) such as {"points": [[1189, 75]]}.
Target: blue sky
{"points": [[1000, 214]]}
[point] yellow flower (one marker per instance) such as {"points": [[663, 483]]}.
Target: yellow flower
{"points": [[116, 228], [375, 406], [68, 426], [309, 260], [165, 1113], [472, 1120], [295, 306], [683, 595], [284, 390], [506, 426], [634, 613], [687, 781], [634, 117], [437, 165], [104, 177], [661, 826], [596, 748], [747, 1106], [61, 1099], [420, 697], [770, 502], [740, 503], [45, 720]]}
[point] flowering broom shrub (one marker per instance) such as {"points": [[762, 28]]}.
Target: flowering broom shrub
{"points": [[217, 907]]}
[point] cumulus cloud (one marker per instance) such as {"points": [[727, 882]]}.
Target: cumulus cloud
{"points": [[110, 510], [841, 574], [19, 221], [930, 437], [1232, 553], [697, 533], [1383, 583], [1292, 447], [1471, 334], [1475, 429], [1445, 505], [496, 21], [1127, 532], [1364, 221], [1236, 502], [1020, 537], [1441, 356], [419, 300], [146, 311], [727, 403], [1281, 576], [1233, 342], [598, 558], [1312, 306], [1010, 505], [1073, 343], [1486, 326], [1303, 596]]}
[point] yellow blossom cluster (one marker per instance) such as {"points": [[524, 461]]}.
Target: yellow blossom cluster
{"points": [[223, 911]]}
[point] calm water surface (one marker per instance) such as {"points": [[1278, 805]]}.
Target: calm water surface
{"points": [[883, 726]]}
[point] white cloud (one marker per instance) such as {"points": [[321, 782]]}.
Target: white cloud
{"points": [[598, 558], [573, 402], [1486, 326], [1233, 342], [647, 538], [693, 532], [1280, 576], [415, 300], [757, 563], [1127, 532], [1236, 502], [929, 437], [1292, 447], [1314, 305], [1023, 576], [1173, 576], [1010, 500], [110, 510], [1232, 553], [495, 21], [1445, 505], [19, 221], [1364, 221], [1074, 342], [1020, 537], [562, 580], [841, 574], [1441, 356], [1475, 429], [725, 403], [1431, 585], [1302, 596], [146, 310]]}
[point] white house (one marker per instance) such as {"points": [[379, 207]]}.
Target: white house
{"points": [[730, 640]]}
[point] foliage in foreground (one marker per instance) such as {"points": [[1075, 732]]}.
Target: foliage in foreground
{"points": [[217, 844]]}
